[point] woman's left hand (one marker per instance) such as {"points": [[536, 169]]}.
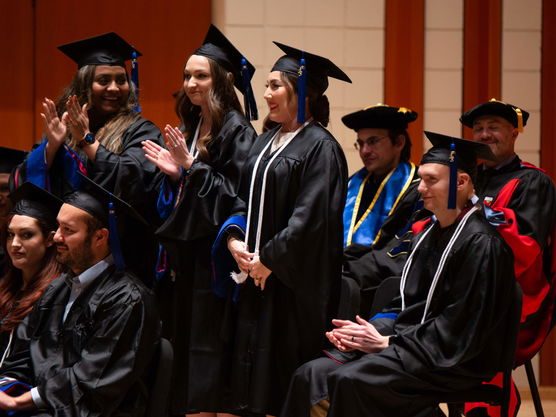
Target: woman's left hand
{"points": [[175, 143], [259, 272], [78, 119]]}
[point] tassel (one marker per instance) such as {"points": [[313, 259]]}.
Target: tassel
{"points": [[239, 278], [301, 91], [249, 103], [452, 191], [114, 238], [135, 78]]}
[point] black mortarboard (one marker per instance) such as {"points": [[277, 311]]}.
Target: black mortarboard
{"points": [[380, 116], [312, 70], [218, 48], [106, 49], [30, 200], [457, 154], [513, 114], [10, 158], [104, 206]]}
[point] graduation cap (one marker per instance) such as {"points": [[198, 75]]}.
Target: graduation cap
{"points": [[457, 154], [218, 48], [32, 201], [380, 116], [10, 158], [513, 114], [105, 207], [312, 70], [106, 49]]}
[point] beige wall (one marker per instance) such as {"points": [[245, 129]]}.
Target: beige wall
{"points": [[348, 32], [521, 64], [351, 33]]}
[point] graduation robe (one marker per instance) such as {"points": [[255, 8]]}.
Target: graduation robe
{"points": [[128, 175], [366, 266], [95, 362], [520, 201], [301, 242], [456, 347], [195, 319]]}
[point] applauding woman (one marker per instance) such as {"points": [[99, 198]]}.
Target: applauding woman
{"points": [[293, 192], [95, 128], [204, 161], [27, 238]]}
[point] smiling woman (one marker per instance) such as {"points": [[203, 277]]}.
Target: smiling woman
{"points": [[95, 128], [203, 161]]}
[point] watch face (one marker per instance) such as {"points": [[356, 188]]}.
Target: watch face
{"points": [[89, 138]]}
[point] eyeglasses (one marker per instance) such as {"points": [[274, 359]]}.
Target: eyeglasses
{"points": [[371, 142]]}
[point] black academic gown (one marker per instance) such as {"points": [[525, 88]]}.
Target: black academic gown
{"points": [[129, 176], [95, 362], [368, 265], [521, 202], [456, 347], [195, 318], [301, 242]]}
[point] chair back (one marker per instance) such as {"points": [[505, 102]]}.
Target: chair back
{"points": [[160, 380]]}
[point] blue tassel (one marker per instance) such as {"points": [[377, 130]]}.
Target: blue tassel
{"points": [[135, 78], [452, 191], [301, 91], [249, 103], [114, 238]]}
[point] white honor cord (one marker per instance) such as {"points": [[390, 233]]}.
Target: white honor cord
{"points": [[239, 278], [193, 149], [8, 348], [440, 266]]}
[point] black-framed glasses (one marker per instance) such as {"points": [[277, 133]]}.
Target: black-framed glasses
{"points": [[371, 142]]}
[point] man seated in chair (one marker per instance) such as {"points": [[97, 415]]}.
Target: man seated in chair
{"points": [[85, 347], [446, 329], [382, 198]]}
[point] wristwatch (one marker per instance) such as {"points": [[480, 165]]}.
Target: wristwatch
{"points": [[88, 139]]}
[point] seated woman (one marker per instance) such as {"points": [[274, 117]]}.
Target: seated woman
{"points": [[292, 195], [95, 128], [27, 238]]}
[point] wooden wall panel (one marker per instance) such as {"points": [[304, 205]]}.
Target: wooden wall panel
{"points": [[548, 88], [165, 32], [482, 53], [16, 73], [404, 63], [548, 149]]}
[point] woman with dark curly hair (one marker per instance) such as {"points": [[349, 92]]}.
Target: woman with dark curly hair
{"points": [[27, 238], [203, 162], [289, 260], [95, 128]]}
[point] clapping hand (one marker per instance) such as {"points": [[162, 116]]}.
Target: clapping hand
{"points": [[162, 158], [176, 145]]}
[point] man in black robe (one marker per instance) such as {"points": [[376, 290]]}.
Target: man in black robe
{"points": [[85, 347], [520, 200], [382, 198], [444, 331]]}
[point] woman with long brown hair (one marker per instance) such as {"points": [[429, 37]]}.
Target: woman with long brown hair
{"points": [[95, 128], [203, 164], [289, 259], [27, 238]]}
